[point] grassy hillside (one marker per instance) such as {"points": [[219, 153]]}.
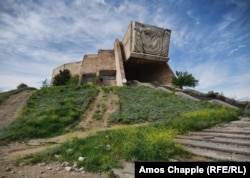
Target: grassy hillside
{"points": [[52, 110], [140, 103], [60, 107], [154, 142], [49, 112]]}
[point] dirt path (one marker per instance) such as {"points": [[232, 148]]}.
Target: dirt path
{"points": [[8, 154], [104, 105], [10, 108]]}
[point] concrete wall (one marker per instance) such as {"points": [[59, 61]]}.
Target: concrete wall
{"points": [[128, 60], [149, 72], [143, 41], [93, 64], [73, 67], [106, 60], [127, 41], [120, 73], [89, 64]]}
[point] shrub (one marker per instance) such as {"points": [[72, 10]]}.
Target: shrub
{"points": [[62, 78], [73, 80], [22, 85]]}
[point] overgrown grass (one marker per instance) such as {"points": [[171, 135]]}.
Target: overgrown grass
{"points": [[140, 104], [49, 112], [105, 150], [5, 95], [154, 142], [197, 120]]}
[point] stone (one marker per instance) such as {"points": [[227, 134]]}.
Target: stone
{"points": [[70, 150], [81, 158], [75, 165], [41, 164], [8, 169], [58, 169], [13, 172], [68, 168], [108, 147], [49, 168], [57, 156], [65, 164]]}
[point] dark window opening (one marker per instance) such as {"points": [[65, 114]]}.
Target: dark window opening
{"points": [[89, 78], [107, 76]]}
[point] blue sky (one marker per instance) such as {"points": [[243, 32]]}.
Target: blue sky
{"points": [[209, 38]]}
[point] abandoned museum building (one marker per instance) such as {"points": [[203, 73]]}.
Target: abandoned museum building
{"points": [[141, 55]]}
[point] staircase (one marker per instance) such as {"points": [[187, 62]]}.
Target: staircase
{"points": [[225, 142]]}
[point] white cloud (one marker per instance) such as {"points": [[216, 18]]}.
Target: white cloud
{"points": [[216, 77], [192, 16], [37, 36]]}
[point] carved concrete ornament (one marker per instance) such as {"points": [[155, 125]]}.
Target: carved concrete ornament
{"points": [[151, 40]]}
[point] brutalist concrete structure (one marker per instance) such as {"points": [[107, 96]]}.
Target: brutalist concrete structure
{"points": [[141, 55]]}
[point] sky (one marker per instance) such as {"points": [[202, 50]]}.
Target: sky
{"points": [[209, 38]]}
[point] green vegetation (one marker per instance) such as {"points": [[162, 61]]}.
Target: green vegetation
{"points": [[5, 95], [147, 143], [184, 79], [45, 83], [73, 80], [22, 85], [62, 78], [49, 112], [216, 95], [54, 110], [140, 104]]}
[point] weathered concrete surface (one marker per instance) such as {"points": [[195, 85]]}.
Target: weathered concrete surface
{"points": [[218, 102], [127, 172], [146, 42], [186, 96], [141, 55], [225, 142]]}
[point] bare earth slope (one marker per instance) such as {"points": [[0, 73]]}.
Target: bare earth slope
{"points": [[10, 108]]}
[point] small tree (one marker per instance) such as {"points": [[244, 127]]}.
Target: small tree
{"points": [[184, 79], [62, 78], [45, 83], [22, 85]]}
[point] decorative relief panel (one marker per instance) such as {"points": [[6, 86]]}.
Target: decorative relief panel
{"points": [[151, 40]]}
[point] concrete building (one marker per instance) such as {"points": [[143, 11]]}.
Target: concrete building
{"points": [[141, 55]]}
